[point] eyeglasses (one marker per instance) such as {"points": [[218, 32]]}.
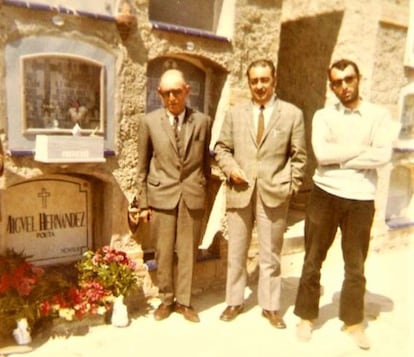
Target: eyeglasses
{"points": [[173, 92], [338, 82]]}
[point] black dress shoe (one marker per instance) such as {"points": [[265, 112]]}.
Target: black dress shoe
{"points": [[163, 311], [274, 318], [188, 312], [231, 312]]}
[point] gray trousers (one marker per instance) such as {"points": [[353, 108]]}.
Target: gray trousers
{"points": [[271, 224]]}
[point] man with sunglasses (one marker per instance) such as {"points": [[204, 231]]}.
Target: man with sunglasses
{"points": [[173, 169], [350, 139]]}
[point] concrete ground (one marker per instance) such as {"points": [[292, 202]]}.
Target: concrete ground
{"points": [[389, 317]]}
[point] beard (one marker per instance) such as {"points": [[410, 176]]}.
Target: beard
{"points": [[349, 97]]}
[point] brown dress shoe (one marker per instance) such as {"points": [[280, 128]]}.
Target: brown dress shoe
{"points": [[231, 312], [163, 311], [274, 318], [188, 312]]}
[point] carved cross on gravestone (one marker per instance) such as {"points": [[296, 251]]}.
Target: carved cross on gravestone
{"points": [[44, 194]]}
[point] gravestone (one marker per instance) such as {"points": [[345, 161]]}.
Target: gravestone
{"points": [[49, 218]]}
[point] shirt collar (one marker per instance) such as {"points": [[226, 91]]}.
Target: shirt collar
{"points": [[269, 104], [180, 116], [359, 110]]}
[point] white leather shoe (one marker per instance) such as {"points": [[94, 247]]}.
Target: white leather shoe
{"points": [[304, 330], [357, 333]]}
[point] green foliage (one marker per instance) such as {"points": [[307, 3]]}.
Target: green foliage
{"points": [[111, 268]]}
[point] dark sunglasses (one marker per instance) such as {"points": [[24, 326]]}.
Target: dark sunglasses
{"points": [[173, 92], [338, 82]]}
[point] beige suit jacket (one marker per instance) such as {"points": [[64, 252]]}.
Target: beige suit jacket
{"points": [[163, 175], [276, 165]]}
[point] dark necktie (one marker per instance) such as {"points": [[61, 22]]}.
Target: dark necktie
{"points": [[260, 125], [177, 134], [175, 127]]}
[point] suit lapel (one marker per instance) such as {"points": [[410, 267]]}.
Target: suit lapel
{"points": [[274, 118], [188, 127], [165, 124], [250, 121]]}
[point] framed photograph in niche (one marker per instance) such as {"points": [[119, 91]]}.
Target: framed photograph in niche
{"points": [[60, 91]]}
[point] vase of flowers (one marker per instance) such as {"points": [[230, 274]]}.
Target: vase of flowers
{"points": [[119, 316], [115, 272], [22, 332]]}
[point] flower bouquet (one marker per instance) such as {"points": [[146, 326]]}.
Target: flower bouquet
{"points": [[30, 292], [103, 275], [23, 287], [109, 267], [115, 272], [77, 302]]}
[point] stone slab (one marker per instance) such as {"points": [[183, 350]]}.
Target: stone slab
{"points": [[49, 219], [69, 149]]}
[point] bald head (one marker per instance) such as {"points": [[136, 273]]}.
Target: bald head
{"points": [[173, 90], [172, 76]]}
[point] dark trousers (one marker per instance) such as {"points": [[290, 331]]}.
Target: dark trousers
{"points": [[177, 234], [324, 214]]}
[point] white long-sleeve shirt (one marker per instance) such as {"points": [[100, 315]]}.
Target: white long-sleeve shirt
{"points": [[349, 146]]}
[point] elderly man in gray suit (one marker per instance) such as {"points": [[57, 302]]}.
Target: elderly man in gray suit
{"points": [[173, 169], [261, 150]]}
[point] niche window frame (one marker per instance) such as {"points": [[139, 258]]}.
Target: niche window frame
{"points": [[21, 142], [51, 106]]}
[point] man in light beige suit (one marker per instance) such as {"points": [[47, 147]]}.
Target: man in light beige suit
{"points": [[261, 150], [173, 169]]}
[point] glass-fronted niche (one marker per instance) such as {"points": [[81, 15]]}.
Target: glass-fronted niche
{"points": [[60, 92], [58, 83]]}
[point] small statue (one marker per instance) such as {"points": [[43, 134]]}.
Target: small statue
{"points": [[133, 215]]}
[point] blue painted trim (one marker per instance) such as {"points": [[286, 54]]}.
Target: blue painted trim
{"points": [[59, 9], [107, 152], [187, 31], [21, 152]]}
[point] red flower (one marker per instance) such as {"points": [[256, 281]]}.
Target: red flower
{"points": [[45, 308], [4, 283]]}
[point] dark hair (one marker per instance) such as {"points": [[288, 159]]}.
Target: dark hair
{"points": [[341, 65], [262, 63]]}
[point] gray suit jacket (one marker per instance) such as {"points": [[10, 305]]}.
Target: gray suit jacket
{"points": [[164, 176], [276, 165]]}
